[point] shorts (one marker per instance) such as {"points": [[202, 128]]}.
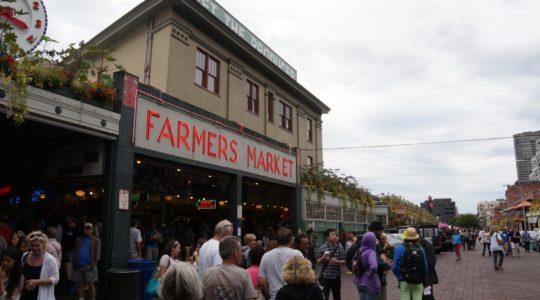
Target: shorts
{"points": [[514, 245], [85, 274], [457, 248]]}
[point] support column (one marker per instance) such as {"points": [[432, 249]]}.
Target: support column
{"points": [[235, 203], [119, 178], [296, 208]]}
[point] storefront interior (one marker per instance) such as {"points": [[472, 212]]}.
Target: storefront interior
{"points": [[48, 173], [193, 199]]}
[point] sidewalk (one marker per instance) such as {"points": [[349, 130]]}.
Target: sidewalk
{"points": [[473, 278]]}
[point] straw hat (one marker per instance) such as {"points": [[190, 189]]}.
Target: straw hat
{"points": [[410, 234]]}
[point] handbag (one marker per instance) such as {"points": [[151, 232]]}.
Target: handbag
{"points": [[153, 285], [500, 242]]}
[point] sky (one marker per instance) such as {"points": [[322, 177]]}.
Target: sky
{"points": [[394, 72]]}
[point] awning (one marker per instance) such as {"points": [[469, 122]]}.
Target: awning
{"points": [[522, 204], [519, 205]]}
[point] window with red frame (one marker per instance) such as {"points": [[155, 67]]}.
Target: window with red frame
{"points": [[271, 101], [252, 97], [285, 114], [207, 72], [309, 130]]}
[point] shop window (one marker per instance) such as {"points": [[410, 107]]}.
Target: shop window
{"points": [[285, 114], [309, 130], [252, 94], [271, 101], [314, 210], [207, 72], [348, 215], [382, 219], [333, 213]]}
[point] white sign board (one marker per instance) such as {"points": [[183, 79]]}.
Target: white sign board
{"points": [[169, 131]]}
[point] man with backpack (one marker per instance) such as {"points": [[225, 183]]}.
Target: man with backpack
{"points": [[410, 266]]}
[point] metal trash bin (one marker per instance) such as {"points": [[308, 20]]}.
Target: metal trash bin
{"points": [[122, 284], [146, 269]]}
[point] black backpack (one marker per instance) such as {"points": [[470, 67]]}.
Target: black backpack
{"points": [[411, 264], [358, 267], [351, 254]]}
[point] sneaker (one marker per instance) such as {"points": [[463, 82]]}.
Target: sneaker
{"points": [[497, 269]]}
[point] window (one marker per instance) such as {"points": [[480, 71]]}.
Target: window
{"points": [[271, 107], [309, 130], [285, 114], [310, 161], [252, 97], [207, 72]]}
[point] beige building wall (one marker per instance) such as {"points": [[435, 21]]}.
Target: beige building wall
{"points": [[171, 68]]}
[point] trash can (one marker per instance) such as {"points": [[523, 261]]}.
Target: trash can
{"points": [[146, 269], [122, 284]]}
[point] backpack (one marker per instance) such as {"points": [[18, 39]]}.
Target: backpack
{"points": [[351, 254], [358, 267], [411, 264]]}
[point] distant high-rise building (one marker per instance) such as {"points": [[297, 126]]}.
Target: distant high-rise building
{"points": [[535, 164], [443, 208], [525, 149]]}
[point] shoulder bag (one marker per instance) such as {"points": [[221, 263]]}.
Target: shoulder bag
{"points": [[500, 242]]}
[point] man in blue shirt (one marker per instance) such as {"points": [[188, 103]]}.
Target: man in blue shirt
{"points": [[86, 256]]}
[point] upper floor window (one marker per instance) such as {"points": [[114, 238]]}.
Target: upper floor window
{"points": [[285, 114], [309, 130], [271, 101], [310, 161], [207, 72], [252, 97]]}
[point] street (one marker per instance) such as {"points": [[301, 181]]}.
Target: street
{"points": [[473, 278]]}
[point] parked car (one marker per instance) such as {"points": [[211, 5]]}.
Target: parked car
{"points": [[431, 233], [395, 239]]}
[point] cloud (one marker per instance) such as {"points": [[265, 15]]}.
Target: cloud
{"points": [[396, 72]]}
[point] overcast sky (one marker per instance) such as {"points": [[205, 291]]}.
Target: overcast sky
{"points": [[395, 72]]}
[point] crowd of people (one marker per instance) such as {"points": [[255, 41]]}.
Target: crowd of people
{"points": [[282, 266], [498, 243], [274, 265], [31, 263]]}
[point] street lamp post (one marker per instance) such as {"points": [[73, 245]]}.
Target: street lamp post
{"points": [[523, 207]]}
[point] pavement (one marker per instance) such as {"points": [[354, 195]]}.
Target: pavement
{"points": [[473, 278]]}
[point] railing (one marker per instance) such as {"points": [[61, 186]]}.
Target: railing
{"points": [[334, 213]]}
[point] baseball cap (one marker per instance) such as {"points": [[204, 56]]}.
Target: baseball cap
{"points": [[88, 224]]}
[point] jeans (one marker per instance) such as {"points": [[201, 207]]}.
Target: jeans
{"points": [[367, 294], [501, 258], [486, 245], [335, 285], [409, 291]]}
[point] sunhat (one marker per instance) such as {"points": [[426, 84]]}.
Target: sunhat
{"points": [[410, 234]]}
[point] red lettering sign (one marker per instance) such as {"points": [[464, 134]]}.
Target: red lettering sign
{"points": [[206, 204]]}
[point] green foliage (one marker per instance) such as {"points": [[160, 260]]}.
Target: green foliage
{"points": [[343, 187], [466, 221], [411, 211]]}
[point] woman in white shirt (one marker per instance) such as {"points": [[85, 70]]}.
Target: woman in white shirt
{"points": [[39, 269], [496, 249], [170, 252]]}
